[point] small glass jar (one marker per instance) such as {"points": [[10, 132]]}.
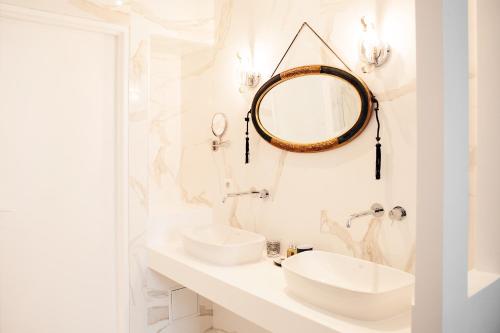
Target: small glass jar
{"points": [[273, 248]]}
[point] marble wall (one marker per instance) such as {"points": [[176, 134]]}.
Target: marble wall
{"points": [[159, 31], [311, 194], [184, 68]]}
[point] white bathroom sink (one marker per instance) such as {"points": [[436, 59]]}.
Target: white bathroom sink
{"points": [[349, 286], [223, 245]]}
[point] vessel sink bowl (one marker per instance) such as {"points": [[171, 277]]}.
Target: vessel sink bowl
{"points": [[223, 245], [349, 286]]}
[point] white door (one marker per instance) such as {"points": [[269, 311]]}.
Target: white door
{"points": [[58, 111]]}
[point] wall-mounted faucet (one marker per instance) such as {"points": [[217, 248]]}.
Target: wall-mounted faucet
{"points": [[376, 210], [263, 194]]}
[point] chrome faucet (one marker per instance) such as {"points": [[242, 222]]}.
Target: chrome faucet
{"points": [[376, 210], [263, 194]]}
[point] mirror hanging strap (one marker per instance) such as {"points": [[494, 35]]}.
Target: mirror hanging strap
{"points": [[305, 24]]}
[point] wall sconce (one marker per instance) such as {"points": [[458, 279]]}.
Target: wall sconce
{"points": [[372, 51], [249, 78]]}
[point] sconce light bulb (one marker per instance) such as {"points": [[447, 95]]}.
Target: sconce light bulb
{"points": [[367, 24], [249, 78], [373, 52], [244, 62], [371, 39]]}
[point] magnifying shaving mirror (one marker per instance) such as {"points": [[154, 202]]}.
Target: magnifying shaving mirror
{"points": [[219, 127]]}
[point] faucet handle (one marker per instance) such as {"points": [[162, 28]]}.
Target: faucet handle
{"points": [[377, 210], [264, 194], [398, 213]]}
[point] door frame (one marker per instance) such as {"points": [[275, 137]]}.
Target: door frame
{"points": [[121, 35]]}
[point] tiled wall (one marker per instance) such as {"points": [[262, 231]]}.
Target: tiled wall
{"points": [[184, 71], [154, 95], [311, 194]]}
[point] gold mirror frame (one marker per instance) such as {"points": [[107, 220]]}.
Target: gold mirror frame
{"points": [[365, 95]]}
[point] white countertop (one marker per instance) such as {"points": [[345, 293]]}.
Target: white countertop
{"points": [[257, 292]]}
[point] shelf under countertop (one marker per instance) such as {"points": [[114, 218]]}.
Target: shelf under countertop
{"points": [[257, 292]]}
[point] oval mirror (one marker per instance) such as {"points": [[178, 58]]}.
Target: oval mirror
{"points": [[219, 124], [311, 108]]}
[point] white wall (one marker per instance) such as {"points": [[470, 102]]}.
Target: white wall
{"points": [[484, 305], [443, 301], [488, 152]]}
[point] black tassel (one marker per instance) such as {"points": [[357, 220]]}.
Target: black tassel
{"points": [[378, 160], [247, 151], [247, 140], [378, 146]]}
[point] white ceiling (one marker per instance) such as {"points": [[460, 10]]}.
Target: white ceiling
{"points": [[171, 10]]}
